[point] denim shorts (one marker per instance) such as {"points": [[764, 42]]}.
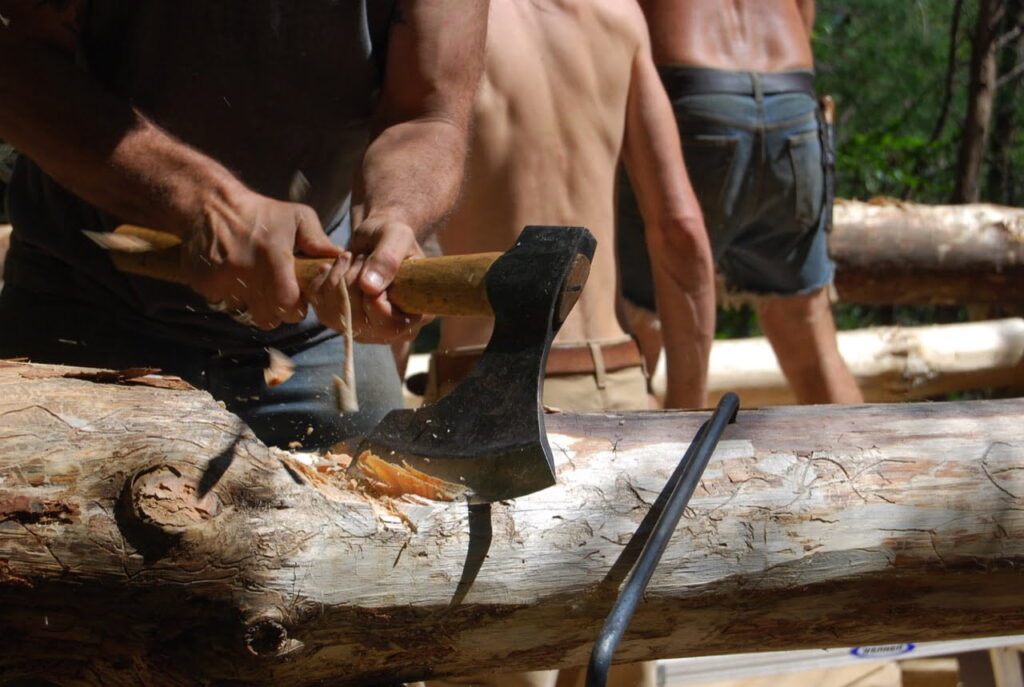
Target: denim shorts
{"points": [[755, 162], [62, 329]]}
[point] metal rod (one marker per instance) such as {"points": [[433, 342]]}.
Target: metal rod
{"points": [[685, 478]]}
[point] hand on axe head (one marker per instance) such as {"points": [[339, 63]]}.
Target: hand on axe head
{"points": [[379, 247]]}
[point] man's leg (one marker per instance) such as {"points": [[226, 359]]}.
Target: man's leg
{"points": [[803, 335]]}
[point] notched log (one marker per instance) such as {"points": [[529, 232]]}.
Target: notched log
{"points": [[197, 554]]}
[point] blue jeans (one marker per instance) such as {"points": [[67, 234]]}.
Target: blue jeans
{"points": [[755, 162], [60, 329]]}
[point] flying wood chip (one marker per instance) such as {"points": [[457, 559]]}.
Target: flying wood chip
{"points": [[280, 368]]}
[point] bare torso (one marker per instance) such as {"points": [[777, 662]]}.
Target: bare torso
{"points": [[550, 115], [757, 35]]}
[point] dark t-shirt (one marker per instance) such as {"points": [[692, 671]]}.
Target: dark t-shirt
{"points": [[273, 89]]}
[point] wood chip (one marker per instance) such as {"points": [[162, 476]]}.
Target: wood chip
{"points": [[280, 368]]}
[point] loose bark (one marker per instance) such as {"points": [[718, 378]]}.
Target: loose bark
{"points": [[890, 363], [146, 537], [903, 253]]}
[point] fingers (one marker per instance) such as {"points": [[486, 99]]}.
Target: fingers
{"points": [[381, 247], [386, 245], [381, 322], [276, 298], [245, 260], [328, 292], [374, 318], [310, 238]]}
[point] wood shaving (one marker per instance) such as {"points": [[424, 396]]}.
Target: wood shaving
{"points": [[280, 368], [387, 479], [348, 401], [120, 241]]}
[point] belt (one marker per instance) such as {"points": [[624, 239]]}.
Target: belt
{"points": [[454, 366], [685, 81]]}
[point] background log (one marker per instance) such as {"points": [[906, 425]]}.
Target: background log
{"points": [[147, 537], [890, 363], [891, 252]]}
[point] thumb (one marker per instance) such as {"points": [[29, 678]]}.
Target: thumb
{"points": [[310, 238], [383, 263]]}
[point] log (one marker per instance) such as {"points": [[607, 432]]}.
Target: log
{"points": [[146, 537], [890, 363], [892, 252]]}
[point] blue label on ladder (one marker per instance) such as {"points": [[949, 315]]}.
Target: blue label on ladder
{"points": [[882, 650]]}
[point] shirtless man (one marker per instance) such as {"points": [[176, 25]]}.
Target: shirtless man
{"points": [[210, 120], [568, 87], [740, 76]]}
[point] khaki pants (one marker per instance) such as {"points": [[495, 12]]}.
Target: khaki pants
{"points": [[624, 389]]}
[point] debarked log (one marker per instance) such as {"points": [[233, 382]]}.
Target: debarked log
{"points": [[892, 252], [146, 537], [890, 363]]}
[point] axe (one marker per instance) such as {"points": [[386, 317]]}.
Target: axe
{"points": [[487, 435]]}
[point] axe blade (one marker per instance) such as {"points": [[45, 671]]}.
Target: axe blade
{"points": [[488, 434]]}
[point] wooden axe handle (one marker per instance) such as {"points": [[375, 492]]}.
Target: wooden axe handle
{"points": [[448, 285]]}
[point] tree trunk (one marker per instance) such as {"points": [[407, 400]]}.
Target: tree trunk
{"points": [[1002, 173], [904, 253], [890, 363], [980, 96], [146, 537]]}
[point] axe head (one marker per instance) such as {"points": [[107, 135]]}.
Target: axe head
{"points": [[488, 434]]}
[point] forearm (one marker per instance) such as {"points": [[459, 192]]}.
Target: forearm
{"points": [[684, 290], [677, 241], [412, 174], [98, 146]]}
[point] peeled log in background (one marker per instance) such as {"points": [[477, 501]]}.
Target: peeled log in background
{"points": [[813, 527], [890, 363], [891, 252]]}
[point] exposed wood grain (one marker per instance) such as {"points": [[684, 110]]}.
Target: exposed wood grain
{"points": [[891, 252], [147, 537], [890, 363]]}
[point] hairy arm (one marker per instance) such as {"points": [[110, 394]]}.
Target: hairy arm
{"points": [[97, 145], [412, 171], [676, 238]]}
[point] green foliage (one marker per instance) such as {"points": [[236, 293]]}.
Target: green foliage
{"points": [[736, 323], [885, 65], [879, 163]]}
